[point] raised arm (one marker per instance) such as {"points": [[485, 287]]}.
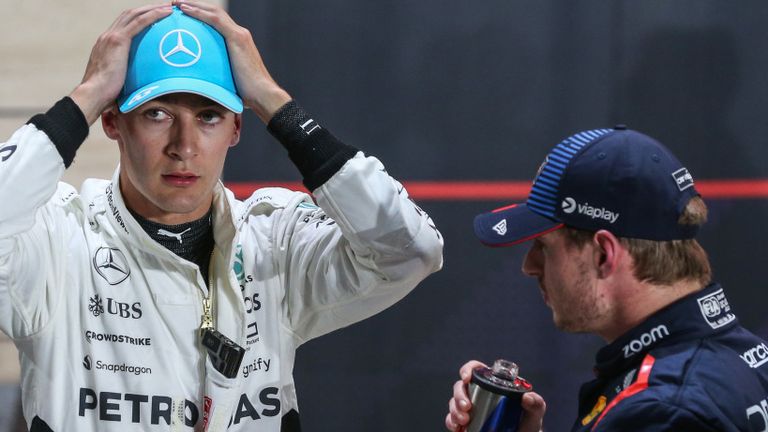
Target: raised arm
{"points": [[34, 206], [368, 244]]}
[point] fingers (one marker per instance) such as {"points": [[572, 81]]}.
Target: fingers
{"points": [[460, 405], [466, 371], [217, 17], [457, 418], [255, 86], [451, 425], [534, 408], [132, 21], [105, 72], [461, 397]]}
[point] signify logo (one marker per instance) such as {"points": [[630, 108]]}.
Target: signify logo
{"points": [[115, 367], [570, 205], [258, 365]]}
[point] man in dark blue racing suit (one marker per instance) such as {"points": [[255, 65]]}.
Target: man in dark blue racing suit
{"points": [[688, 367], [613, 216]]}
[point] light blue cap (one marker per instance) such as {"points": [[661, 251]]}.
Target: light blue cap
{"points": [[179, 54]]}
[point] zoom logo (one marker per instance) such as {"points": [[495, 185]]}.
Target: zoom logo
{"points": [[645, 339], [121, 368]]}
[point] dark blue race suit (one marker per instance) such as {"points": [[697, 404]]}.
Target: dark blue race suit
{"points": [[688, 367]]}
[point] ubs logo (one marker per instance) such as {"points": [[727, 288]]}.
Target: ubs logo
{"points": [[114, 307], [111, 264]]}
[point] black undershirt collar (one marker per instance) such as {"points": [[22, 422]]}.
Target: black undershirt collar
{"points": [[192, 241]]}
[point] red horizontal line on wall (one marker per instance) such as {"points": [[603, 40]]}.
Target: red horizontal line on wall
{"points": [[518, 190]]}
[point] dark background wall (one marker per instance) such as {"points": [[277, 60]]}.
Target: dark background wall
{"points": [[456, 90]]}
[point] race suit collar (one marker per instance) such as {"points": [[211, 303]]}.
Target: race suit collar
{"points": [[694, 316], [131, 231]]}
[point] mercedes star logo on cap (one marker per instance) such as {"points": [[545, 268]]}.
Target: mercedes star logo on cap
{"points": [[180, 48]]}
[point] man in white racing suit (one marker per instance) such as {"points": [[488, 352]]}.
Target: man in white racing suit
{"points": [[157, 301]]}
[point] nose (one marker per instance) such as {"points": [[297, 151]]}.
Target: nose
{"points": [[184, 139], [532, 264]]}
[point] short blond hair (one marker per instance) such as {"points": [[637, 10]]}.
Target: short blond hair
{"points": [[662, 262]]}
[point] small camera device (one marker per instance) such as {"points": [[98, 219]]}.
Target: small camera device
{"points": [[225, 354]]}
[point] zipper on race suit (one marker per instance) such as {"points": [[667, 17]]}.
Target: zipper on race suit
{"points": [[206, 321]]}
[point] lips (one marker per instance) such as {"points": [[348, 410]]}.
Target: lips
{"points": [[180, 179]]}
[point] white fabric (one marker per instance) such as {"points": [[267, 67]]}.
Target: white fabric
{"points": [[106, 320]]}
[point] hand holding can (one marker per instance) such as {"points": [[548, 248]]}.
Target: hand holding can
{"points": [[496, 394]]}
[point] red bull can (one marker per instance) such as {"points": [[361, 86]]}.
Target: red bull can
{"points": [[496, 394]]}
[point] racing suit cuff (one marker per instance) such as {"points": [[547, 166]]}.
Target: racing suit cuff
{"points": [[65, 125], [316, 153]]}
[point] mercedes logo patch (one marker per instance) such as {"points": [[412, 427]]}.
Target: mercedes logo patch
{"points": [[111, 264]]}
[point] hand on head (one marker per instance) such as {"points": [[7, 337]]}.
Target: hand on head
{"points": [[254, 84], [106, 70], [105, 73], [460, 407]]}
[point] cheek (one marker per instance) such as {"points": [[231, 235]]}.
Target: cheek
{"points": [[135, 158]]}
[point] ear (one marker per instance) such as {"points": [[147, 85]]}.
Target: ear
{"points": [[109, 123], [608, 253], [236, 132]]}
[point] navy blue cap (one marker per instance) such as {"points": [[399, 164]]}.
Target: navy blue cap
{"points": [[616, 179]]}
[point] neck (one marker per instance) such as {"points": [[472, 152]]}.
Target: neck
{"points": [[192, 241], [636, 301]]}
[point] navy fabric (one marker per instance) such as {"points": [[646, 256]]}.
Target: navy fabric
{"points": [[512, 225], [708, 373], [614, 179]]}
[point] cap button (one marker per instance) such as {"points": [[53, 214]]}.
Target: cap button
{"points": [[620, 127]]}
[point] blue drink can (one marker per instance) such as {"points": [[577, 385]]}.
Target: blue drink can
{"points": [[496, 393]]}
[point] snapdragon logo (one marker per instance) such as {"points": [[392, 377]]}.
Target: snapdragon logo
{"points": [[99, 365], [756, 356], [569, 205]]}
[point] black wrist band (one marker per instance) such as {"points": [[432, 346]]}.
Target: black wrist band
{"points": [[65, 125], [316, 152]]}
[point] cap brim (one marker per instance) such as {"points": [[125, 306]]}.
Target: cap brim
{"points": [[151, 91], [511, 225]]}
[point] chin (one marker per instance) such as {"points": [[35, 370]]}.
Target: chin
{"points": [[180, 207]]}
